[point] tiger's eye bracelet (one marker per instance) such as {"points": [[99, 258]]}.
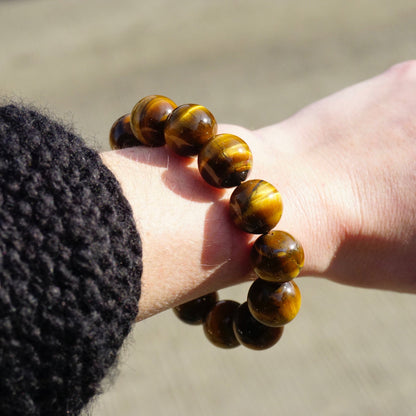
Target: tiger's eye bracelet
{"points": [[224, 161]]}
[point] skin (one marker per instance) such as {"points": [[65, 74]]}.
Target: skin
{"points": [[346, 169]]}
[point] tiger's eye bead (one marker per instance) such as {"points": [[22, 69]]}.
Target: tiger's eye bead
{"points": [[256, 206], [251, 333], [148, 119], [218, 325], [225, 161], [121, 135], [188, 128], [277, 256], [274, 304], [195, 311]]}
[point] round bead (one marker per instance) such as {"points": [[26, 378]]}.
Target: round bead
{"points": [[148, 119], [121, 135], [251, 333], [225, 161], [274, 304], [195, 311], [256, 206], [218, 325], [277, 257], [188, 128]]}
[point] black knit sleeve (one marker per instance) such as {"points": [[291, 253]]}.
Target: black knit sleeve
{"points": [[70, 267]]}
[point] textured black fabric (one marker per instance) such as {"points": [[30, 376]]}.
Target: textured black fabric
{"points": [[70, 267]]}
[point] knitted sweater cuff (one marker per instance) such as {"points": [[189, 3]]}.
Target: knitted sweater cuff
{"points": [[70, 267]]}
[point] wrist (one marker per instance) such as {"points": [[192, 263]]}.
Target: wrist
{"points": [[319, 205]]}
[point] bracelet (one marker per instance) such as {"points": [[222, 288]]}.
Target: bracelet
{"points": [[224, 161]]}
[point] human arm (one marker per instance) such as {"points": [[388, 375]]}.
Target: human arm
{"points": [[346, 168]]}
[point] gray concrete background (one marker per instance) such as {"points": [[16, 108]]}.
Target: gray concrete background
{"points": [[350, 351]]}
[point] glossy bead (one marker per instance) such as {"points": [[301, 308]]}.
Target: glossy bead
{"points": [[225, 161], [277, 256], [121, 135], [218, 325], [195, 311], [188, 128], [273, 303], [256, 206], [251, 333], [148, 119]]}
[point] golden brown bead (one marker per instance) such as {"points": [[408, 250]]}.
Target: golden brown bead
{"points": [[121, 135], [277, 256], [188, 128], [195, 311], [148, 119], [256, 206], [274, 304], [251, 333], [225, 161], [218, 325]]}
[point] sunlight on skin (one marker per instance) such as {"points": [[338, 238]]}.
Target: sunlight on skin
{"points": [[346, 169]]}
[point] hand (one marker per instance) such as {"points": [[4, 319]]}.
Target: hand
{"points": [[346, 168]]}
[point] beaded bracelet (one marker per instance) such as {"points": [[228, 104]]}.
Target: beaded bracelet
{"points": [[224, 161]]}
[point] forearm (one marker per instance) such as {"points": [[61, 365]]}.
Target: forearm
{"points": [[345, 167]]}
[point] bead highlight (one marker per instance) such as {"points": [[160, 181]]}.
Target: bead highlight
{"points": [[277, 257], [148, 118], [188, 128], [225, 161], [273, 304], [256, 206], [121, 135], [218, 325]]}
